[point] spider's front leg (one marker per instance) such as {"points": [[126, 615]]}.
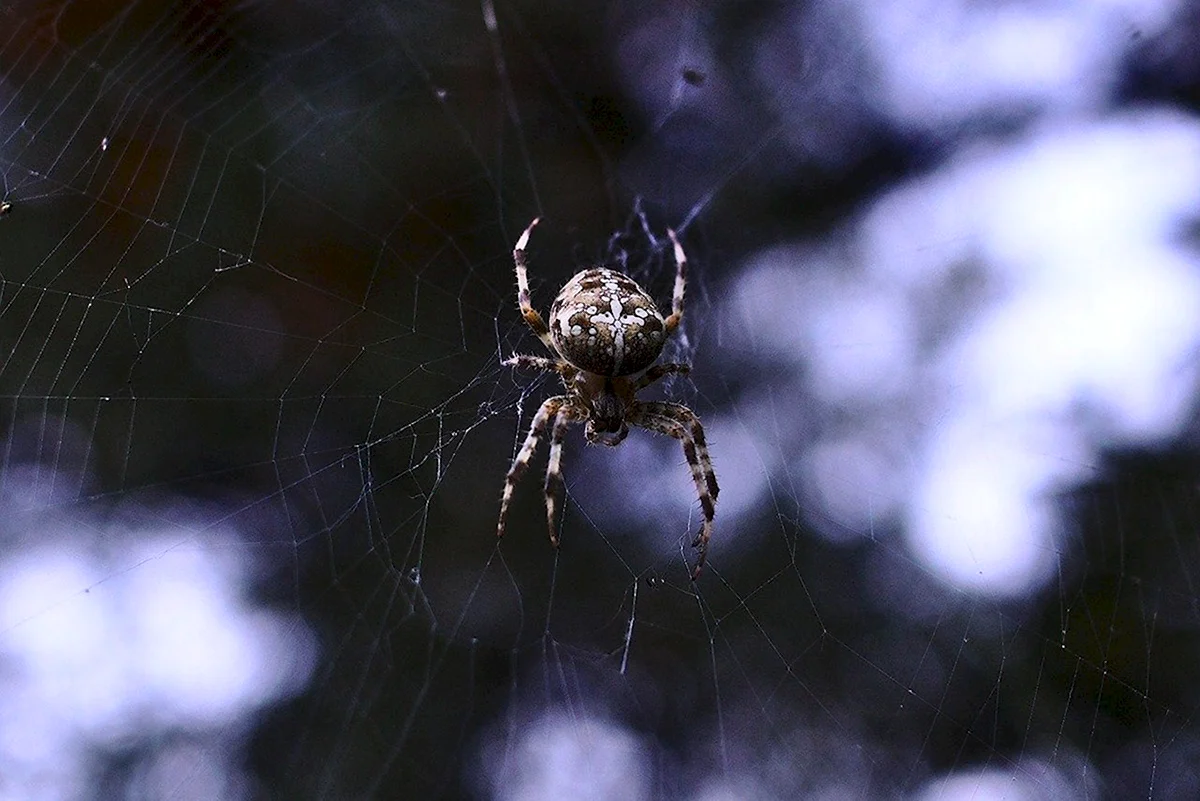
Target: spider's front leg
{"points": [[524, 301], [680, 284]]}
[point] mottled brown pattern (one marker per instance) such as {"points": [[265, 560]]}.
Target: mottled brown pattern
{"points": [[604, 323]]}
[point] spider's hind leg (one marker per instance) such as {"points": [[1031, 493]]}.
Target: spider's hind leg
{"points": [[680, 422], [547, 412], [554, 480]]}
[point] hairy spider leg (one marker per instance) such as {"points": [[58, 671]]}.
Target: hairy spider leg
{"points": [[554, 479], [542, 363], [658, 371], [524, 300], [682, 414], [545, 413], [680, 280], [681, 423]]}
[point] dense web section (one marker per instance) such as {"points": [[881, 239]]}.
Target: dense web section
{"points": [[257, 289]]}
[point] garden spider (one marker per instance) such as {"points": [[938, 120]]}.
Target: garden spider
{"points": [[604, 330]]}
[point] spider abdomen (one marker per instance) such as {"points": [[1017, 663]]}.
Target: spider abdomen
{"points": [[604, 323]]}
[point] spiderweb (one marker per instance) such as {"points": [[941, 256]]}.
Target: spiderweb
{"points": [[256, 287]]}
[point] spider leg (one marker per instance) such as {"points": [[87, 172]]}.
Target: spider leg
{"points": [[680, 282], [542, 363], [658, 371], [545, 413], [681, 423], [554, 478], [677, 412], [530, 314]]}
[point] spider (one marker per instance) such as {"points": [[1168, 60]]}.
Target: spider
{"points": [[605, 334]]}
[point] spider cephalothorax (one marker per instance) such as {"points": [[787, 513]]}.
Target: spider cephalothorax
{"points": [[604, 331]]}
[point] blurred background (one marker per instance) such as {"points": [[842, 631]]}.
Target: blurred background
{"points": [[943, 317]]}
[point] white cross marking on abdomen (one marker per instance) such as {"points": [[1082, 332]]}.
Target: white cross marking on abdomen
{"points": [[618, 327]]}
